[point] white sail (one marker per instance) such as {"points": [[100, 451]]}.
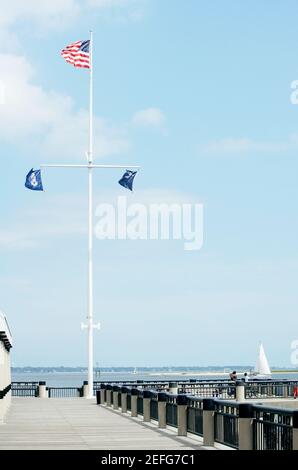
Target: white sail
{"points": [[262, 366]]}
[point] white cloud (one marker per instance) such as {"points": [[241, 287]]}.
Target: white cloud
{"points": [[49, 14], [244, 145], [163, 196], [45, 13], [9, 239], [49, 120], [151, 117], [41, 119], [52, 216], [68, 137], [122, 10], [104, 4]]}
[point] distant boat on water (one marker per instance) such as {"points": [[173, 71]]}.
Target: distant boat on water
{"points": [[135, 371], [262, 368]]}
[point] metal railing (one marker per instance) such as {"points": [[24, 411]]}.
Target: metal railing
{"points": [[272, 429], [65, 392], [129, 402], [270, 389], [195, 416], [154, 407], [25, 389], [156, 385], [171, 410], [140, 407], [5, 391], [219, 389], [226, 424]]}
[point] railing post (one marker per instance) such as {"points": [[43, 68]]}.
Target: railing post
{"points": [[102, 394], [109, 389], [240, 390], [208, 421], [85, 388], [134, 402], [182, 414], [245, 426], [162, 410], [295, 430], [173, 388], [123, 399], [115, 397], [193, 383], [146, 406], [42, 391]]}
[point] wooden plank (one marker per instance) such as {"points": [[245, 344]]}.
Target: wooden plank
{"points": [[77, 423]]}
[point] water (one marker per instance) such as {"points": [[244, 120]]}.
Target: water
{"points": [[76, 379]]}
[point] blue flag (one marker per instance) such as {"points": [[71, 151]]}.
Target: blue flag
{"points": [[127, 179], [33, 180]]}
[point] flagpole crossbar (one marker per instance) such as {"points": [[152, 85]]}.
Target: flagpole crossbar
{"points": [[122, 167]]}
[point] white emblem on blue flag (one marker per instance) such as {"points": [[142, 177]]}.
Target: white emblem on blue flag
{"points": [[127, 179], [34, 181]]}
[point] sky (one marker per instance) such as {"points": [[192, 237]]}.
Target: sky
{"points": [[199, 95]]}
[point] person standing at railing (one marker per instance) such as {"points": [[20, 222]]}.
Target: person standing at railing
{"points": [[295, 391], [245, 378], [233, 375], [231, 390]]}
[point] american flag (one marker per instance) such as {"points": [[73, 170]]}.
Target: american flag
{"points": [[77, 54]]}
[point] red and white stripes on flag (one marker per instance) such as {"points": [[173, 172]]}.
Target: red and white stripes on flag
{"points": [[77, 54]]}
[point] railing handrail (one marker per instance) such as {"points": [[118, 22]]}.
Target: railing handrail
{"points": [[197, 381], [24, 382], [272, 409]]}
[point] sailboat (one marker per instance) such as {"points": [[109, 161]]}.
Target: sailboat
{"points": [[262, 368]]}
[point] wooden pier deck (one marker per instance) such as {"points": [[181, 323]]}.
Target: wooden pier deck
{"points": [[79, 424]]}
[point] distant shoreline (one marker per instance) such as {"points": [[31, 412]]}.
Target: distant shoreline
{"points": [[198, 373]]}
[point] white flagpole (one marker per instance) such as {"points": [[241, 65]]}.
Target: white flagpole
{"points": [[90, 231], [89, 166]]}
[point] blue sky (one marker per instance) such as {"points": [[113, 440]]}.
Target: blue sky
{"points": [[212, 82]]}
